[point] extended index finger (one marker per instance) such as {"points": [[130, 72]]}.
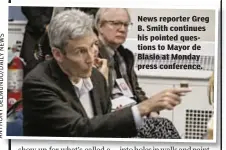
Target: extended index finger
{"points": [[181, 90]]}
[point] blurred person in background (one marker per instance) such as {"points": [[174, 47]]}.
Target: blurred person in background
{"points": [[38, 20]]}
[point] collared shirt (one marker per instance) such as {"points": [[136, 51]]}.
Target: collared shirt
{"points": [[82, 89]]}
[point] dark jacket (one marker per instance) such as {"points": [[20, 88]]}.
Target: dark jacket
{"points": [[129, 60], [51, 107], [38, 18]]}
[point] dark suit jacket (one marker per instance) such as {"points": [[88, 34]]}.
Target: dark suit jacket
{"points": [[51, 107], [127, 55]]}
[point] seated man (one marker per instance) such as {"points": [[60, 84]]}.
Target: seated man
{"points": [[112, 25], [67, 97]]}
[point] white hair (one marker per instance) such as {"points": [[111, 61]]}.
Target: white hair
{"points": [[99, 16], [67, 25]]}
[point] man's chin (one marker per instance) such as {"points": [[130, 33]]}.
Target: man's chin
{"points": [[87, 75], [120, 42]]}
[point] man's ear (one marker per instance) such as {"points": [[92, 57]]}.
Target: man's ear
{"points": [[57, 54]]}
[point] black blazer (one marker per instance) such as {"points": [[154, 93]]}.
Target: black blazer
{"points": [[51, 107]]}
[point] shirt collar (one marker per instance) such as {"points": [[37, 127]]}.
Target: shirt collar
{"points": [[84, 83], [78, 85]]}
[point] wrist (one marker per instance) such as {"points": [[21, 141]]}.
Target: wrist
{"points": [[143, 109]]}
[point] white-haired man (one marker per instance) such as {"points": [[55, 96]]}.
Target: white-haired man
{"points": [[67, 97], [112, 25]]}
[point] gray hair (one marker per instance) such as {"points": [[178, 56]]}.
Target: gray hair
{"points": [[99, 16], [67, 25]]}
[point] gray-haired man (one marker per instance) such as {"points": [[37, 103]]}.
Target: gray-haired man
{"points": [[112, 25]]}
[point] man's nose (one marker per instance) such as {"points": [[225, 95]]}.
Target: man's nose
{"points": [[90, 57], [123, 28], [96, 51]]}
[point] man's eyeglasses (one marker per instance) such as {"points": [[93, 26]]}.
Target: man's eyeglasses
{"points": [[119, 24]]}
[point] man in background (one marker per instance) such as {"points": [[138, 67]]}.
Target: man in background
{"points": [[112, 25]]}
